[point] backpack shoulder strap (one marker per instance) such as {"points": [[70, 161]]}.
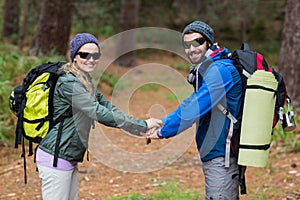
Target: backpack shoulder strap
{"points": [[233, 120], [60, 120]]}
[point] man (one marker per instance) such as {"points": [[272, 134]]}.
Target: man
{"points": [[216, 82]]}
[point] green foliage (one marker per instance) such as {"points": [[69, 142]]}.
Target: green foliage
{"points": [[110, 79], [171, 97], [100, 18], [250, 17], [266, 192], [168, 191], [13, 68], [259, 173], [9, 69], [181, 66], [1, 14], [290, 139], [179, 97], [6, 121], [150, 87]]}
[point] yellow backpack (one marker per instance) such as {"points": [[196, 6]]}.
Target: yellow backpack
{"points": [[32, 102]]}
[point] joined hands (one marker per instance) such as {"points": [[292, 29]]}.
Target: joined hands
{"points": [[153, 131]]}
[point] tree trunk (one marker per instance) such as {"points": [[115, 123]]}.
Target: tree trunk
{"points": [[243, 30], [11, 20], [29, 12], [129, 20], [53, 29], [200, 6], [24, 26], [289, 61]]}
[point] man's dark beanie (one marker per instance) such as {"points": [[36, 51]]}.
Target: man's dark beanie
{"points": [[79, 40], [202, 28]]}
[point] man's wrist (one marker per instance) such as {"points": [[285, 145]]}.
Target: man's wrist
{"points": [[158, 133]]}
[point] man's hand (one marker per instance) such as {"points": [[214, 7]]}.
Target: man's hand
{"points": [[153, 133]]}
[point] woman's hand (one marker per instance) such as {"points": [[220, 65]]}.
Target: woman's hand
{"points": [[153, 123]]}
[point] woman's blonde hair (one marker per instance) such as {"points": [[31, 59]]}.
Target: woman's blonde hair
{"points": [[83, 77]]}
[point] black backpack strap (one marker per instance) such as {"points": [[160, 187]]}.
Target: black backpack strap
{"points": [[88, 155], [257, 147], [57, 143], [60, 120], [35, 150], [242, 179], [30, 153], [18, 137], [24, 160], [19, 127]]}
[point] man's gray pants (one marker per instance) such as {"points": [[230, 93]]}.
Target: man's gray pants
{"points": [[221, 183]]}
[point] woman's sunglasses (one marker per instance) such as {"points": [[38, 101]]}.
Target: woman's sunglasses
{"points": [[195, 42], [87, 55]]}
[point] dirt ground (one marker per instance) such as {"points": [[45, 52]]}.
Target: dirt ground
{"points": [[280, 180], [97, 180]]}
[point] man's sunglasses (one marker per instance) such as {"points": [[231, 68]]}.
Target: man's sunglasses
{"points": [[87, 55], [195, 42]]}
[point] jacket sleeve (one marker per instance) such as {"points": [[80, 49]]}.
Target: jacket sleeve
{"points": [[217, 81], [102, 100], [121, 118], [99, 109]]}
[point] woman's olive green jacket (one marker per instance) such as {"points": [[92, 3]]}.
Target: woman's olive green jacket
{"points": [[70, 92]]}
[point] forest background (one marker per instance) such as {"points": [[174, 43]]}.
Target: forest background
{"points": [[35, 31], [43, 28]]}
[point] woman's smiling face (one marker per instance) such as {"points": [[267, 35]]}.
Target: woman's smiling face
{"points": [[87, 57]]}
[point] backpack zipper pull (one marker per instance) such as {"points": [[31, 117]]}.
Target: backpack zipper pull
{"points": [[45, 87]]}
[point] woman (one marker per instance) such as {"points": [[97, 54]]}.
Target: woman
{"points": [[74, 89]]}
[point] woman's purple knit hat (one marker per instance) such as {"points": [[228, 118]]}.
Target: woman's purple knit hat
{"points": [[79, 40]]}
